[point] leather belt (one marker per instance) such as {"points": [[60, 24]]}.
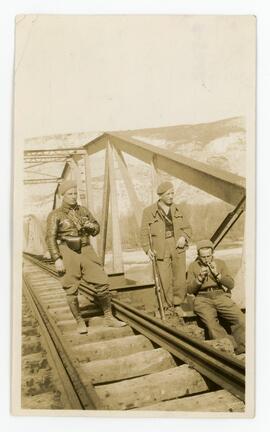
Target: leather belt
{"points": [[84, 241], [210, 290], [169, 234]]}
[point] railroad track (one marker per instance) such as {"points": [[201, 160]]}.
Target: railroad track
{"points": [[40, 385], [146, 365]]}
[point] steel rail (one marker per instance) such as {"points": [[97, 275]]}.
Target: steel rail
{"points": [[79, 397], [70, 394], [225, 371], [43, 265], [220, 368]]}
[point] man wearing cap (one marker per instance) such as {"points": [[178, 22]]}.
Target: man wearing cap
{"points": [[209, 280], [164, 225], [68, 230]]}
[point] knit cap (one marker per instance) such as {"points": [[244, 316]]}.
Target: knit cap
{"points": [[205, 244], [164, 187], [66, 185]]}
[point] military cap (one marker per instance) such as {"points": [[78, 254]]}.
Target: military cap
{"points": [[164, 187], [205, 244], [66, 185]]}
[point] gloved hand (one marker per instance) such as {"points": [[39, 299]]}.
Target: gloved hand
{"points": [[181, 243], [89, 225], [203, 274], [88, 228], [59, 265]]}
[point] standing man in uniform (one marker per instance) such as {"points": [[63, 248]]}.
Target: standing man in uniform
{"points": [[170, 234], [211, 283], [68, 230]]}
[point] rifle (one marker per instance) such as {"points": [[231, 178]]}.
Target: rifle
{"points": [[225, 289], [157, 278]]}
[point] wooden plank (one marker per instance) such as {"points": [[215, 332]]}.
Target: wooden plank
{"points": [[133, 198], [116, 237], [126, 366], [216, 401], [157, 387], [113, 348]]}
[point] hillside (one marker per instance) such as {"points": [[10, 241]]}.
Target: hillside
{"points": [[221, 144]]}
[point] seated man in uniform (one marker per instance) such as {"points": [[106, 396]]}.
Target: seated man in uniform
{"points": [[209, 280], [165, 225], [68, 230]]}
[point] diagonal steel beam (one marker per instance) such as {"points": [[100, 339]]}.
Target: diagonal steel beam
{"points": [[97, 144], [105, 209], [116, 235], [219, 183], [228, 222], [41, 181], [54, 151], [133, 198]]}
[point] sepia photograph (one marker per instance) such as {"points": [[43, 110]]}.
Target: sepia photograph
{"points": [[134, 209]]}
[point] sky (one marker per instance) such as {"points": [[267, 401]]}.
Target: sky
{"points": [[98, 73], [76, 74]]}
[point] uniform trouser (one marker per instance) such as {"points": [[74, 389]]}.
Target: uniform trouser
{"points": [[172, 271], [85, 265], [210, 305]]}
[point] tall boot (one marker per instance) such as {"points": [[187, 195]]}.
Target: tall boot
{"points": [[238, 332], [75, 310], [109, 321]]}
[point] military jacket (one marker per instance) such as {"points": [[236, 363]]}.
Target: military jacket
{"points": [[153, 223], [193, 286], [69, 221]]}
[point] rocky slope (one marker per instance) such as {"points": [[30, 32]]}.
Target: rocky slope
{"points": [[221, 144]]}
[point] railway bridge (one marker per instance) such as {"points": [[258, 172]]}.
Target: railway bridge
{"points": [[112, 152], [148, 365]]}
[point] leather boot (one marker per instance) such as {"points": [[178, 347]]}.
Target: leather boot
{"points": [[238, 333], [75, 310], [180, 313], [240, 349], [109, 320]]}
